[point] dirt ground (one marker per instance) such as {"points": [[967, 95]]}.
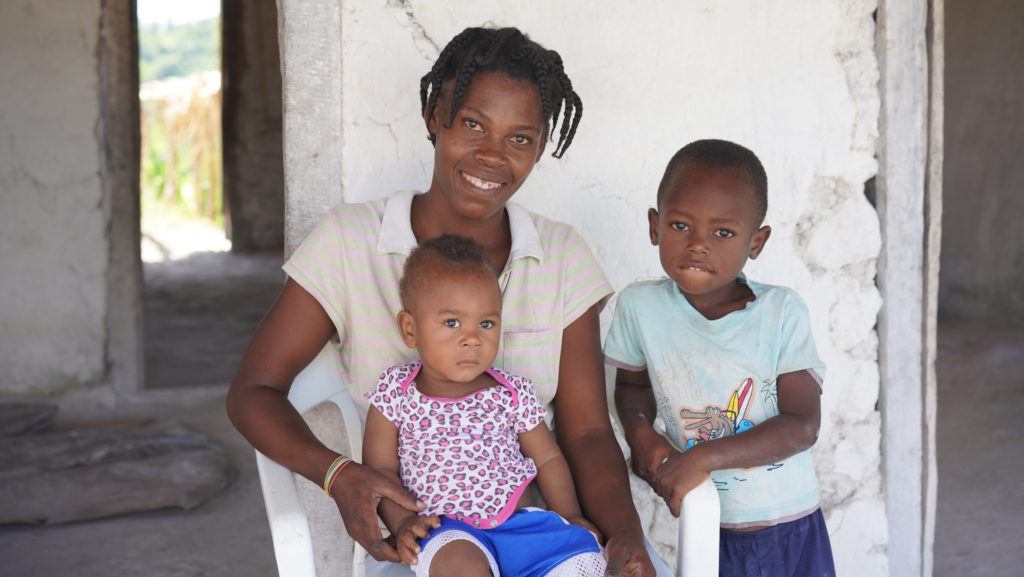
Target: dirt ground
{"points": [[981, 459]]}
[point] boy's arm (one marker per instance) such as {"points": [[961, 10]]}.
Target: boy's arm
{"points": [[380, 451], [634, 401], [793, 430]]}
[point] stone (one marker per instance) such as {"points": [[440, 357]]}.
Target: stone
{"points": [[84, 474]]}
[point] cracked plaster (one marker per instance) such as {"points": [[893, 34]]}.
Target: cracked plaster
{"points": [[53, 224], [795, 82]]}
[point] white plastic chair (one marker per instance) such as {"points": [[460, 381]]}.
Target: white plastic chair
{"points": [[290, 529]]}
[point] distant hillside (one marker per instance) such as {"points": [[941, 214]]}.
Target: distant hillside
{"points": [[167, 50]]}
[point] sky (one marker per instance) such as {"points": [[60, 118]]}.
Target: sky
{"points": [[176, 11]]}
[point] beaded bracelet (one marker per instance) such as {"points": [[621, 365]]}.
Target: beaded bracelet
{"points": [[333, 470]]}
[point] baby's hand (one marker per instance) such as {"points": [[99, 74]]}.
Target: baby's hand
{"points": [[679, 475], [581, 522], [411, 529]]}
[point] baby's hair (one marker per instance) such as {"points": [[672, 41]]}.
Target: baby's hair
{"points": [[721, 154], [509, 51], [439, 256]]}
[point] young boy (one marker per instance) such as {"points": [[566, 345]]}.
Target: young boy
{"points": [[717, 355]]}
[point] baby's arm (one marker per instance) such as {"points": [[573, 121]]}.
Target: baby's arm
{"points": [[793, 430], [553, 477], [380, 451]]}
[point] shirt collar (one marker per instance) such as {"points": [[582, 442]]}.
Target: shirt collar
{"points": [[396, 229]]}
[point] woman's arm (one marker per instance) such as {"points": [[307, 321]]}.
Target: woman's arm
{"points": [[585, 434], [290, 336]]}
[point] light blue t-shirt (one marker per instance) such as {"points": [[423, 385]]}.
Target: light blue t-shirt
{"points": [[713, 378]]}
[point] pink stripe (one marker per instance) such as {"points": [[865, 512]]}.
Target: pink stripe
{"points": [[502, 516]]}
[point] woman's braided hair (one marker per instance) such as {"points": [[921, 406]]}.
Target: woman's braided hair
{"points": [[509, 51]]}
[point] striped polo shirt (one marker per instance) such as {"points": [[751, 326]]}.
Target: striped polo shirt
{"points": [[352, 261]]}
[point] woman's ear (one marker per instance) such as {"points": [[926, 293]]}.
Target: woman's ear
{"points": [[758, 241], [407, 328]]}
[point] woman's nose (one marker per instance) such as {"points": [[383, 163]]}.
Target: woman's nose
{"points": [[490, 153]]}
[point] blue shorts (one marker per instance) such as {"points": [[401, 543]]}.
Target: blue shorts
{"points": [[798, 548], [530, 543]]}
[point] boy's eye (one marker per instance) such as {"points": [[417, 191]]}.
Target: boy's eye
{"points": [[679, 226], [487, 324], [452, 323], [724, 233], [473, 125]]}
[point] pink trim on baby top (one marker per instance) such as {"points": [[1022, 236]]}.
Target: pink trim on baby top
{"points": [[490, 371], [510, 506]]}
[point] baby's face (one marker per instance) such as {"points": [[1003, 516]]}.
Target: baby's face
{"points": [[456, 324]]}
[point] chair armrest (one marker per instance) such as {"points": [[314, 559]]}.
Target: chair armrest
{"points": [[289, 526], [697, 552]]}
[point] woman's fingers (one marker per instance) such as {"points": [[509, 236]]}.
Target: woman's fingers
{"points": [[391, 489]]}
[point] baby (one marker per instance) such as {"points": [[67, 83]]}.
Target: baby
{"points": [[468, 439], [730, 366]]}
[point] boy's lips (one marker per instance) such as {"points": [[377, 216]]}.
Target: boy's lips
{"points": [[696, 266]]}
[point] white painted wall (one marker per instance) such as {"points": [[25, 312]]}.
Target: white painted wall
{"points": [[53, 215], [795, 81]]}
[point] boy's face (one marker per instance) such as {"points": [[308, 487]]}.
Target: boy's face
{"points": [[705, 229], [490, 149], [455, 323]]}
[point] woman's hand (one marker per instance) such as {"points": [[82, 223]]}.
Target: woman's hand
{"points": [[581, 522], [679, 475], [627, 557], [357, 492], [409, 532]]}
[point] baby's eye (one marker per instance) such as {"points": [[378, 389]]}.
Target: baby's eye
{"points": [[521, 140], [724, 233], [487, 324], [452, 323], [680, 226], [473, 125]]}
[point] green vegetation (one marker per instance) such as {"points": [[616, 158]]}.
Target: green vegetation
{"points": [[167, 50], [181, 142]]}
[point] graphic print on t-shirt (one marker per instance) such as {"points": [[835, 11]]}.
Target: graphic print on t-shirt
{"points": [[715, 422]]}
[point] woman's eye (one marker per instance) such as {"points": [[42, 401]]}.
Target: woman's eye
{"points": [[521, 140], [679, 226], [724, 233], [487, 324], [472, 124], [452, 323]]}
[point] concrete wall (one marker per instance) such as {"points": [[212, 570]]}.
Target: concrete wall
{"points": [[253, 169], [795, 81], [54, 214], [983, 242]]}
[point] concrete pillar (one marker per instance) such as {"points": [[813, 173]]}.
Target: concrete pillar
{"points": [[253, 165]]}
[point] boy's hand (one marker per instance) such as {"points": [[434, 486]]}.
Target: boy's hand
{"points": [[679, 475], [412, 529], [649, 450]]}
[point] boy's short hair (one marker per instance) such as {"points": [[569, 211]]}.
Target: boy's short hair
{"points": [[437, 257], [721, 154]]}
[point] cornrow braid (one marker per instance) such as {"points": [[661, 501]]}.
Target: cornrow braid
{"points": [[509, 51]]}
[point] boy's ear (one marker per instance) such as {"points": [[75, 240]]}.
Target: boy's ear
{"points": [[760, 238], [407, 328], [652, 221]]}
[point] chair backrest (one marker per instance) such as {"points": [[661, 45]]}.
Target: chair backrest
{"points": [[304, 523]]}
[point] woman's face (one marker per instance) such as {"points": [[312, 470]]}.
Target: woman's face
{"points": [[490, 149]]}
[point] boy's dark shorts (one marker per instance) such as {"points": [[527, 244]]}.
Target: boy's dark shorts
{"points": [[798, 548]]}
